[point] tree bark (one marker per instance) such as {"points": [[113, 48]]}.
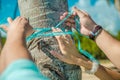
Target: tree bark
{"points": [[45, 13]]}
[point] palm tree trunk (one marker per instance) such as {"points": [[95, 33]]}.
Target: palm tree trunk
{"points": [[45, 13], [117, 4]]}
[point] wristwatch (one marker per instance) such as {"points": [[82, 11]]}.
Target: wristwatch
{"points": [[95, 32]]}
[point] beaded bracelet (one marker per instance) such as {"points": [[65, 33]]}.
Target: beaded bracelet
{"points": [[94, 69]]}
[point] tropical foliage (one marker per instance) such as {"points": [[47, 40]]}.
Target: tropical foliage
{"points": [[91, 47]]}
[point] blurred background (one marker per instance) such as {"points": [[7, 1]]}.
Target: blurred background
{"points": [[104, 12]]}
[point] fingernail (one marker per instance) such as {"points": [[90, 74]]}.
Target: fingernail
{"points": [[8, 18]]}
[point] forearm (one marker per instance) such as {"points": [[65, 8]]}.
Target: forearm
{"points": [[15, 46], [17, 49], [102, 72], [13, 51], [110, 46], [107, 74], [112, 73]]}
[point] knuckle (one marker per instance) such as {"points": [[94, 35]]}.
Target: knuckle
{"points": [[25, 19], [25, 22], [85, 15]]}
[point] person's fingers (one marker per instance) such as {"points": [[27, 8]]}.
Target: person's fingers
{"points": [[22, 20], [65, 14], [57, 37], [73, 25], [62, 17], [25, 18], [68, 37], [85, 12], [79, 12], [74, 14], [56, 30], [4, 27], [71, 21], [9, 19], [57, 55], [17, 19], [62, 40], [68, 24]]}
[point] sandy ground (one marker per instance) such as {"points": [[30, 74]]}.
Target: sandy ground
{"points": [[86, 76]]}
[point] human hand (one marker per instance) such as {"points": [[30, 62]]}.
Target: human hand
{"points": [[69, 52], [15, 35], [28, 29], [87, 24]]}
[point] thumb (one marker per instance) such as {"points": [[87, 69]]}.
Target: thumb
{"points": [[4, 28], [9, 19], [79, 12]]}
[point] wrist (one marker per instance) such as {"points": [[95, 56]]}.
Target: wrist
{"points": [[15, 40], [93, 70], [95, 32], [90, 67], [86, 64]]}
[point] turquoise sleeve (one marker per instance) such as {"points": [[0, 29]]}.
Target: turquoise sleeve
{"points": [[22, 69]]}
